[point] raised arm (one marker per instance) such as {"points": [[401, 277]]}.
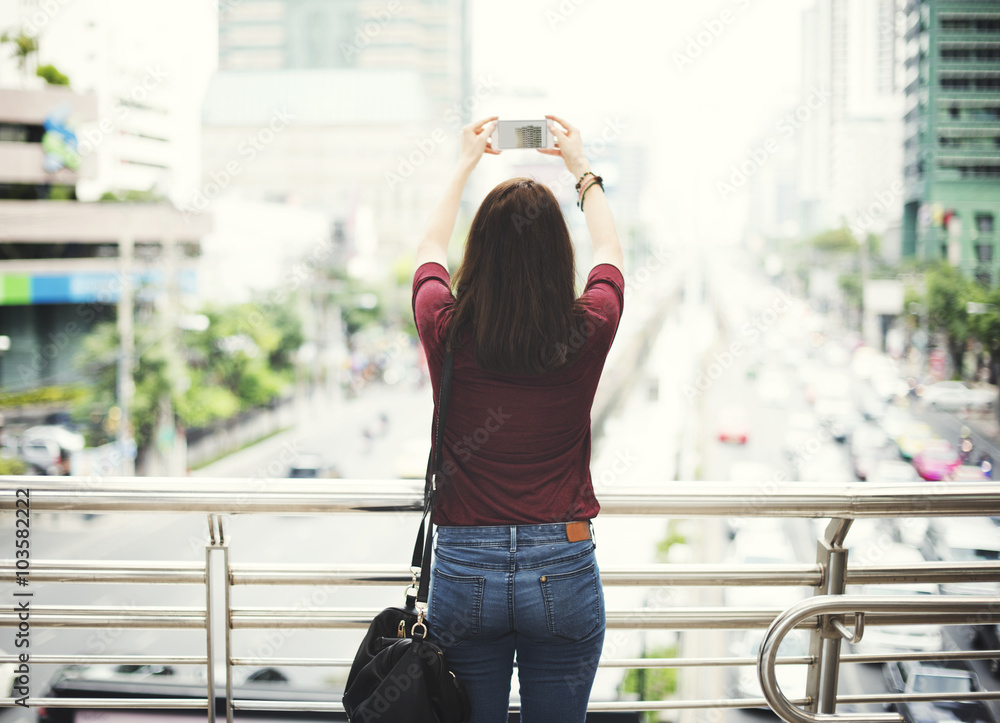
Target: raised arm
{"points": [[600, 222], [475, 140]]}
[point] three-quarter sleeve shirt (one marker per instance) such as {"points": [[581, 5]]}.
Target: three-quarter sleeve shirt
{"points": [[517, 447]]}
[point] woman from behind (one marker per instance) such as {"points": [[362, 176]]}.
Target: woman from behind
{"points": [[515, 574]]}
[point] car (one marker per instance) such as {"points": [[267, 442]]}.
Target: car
{"points": [[869, 444], [46, 448], [907, 677], [7, 676], [892, 471], [954, 396], [802, 432], [895, 420], [972, 539], [936, 461], [894, 638], [177, 683], [772, 388], [732, 425], [988, 638], [758, 478], [828, 465], [310, 466], [914, 437], [762, 541], [791, 677], [967, 473]]}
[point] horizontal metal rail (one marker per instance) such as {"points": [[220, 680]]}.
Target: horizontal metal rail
{"points": [[795, 575], [63, 616], [231, 496], [116, 703], [979, 609], [104, 571]]}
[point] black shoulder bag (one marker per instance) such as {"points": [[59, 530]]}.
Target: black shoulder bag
{"points": [[399, 674]]}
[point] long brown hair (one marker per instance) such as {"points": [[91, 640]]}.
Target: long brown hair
{"points": [[515, 295]]}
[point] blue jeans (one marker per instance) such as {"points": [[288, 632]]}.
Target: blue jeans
{"points": [[522, 590]]}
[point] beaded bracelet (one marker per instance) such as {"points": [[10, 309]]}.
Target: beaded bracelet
{"points": [[579, 181], [596, 181]]}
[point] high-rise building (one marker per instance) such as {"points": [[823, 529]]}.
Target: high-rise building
{"points": [[421, 35], [952, 144], [850, 129]]}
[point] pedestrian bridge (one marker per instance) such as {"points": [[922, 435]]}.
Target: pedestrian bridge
{"points": [[829, 616]]}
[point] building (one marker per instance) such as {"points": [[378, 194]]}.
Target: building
{"points": [[348, 108], [144, 136], [62, 266], [952, 145], [850, 135], [425, 36]]}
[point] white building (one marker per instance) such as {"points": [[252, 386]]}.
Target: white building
{"points": [[148, 93], [851, 148]]}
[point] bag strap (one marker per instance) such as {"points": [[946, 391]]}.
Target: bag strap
{"points": [[422, 547]]}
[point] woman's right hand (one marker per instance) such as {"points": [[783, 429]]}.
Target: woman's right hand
{"points": [[569, 144]]}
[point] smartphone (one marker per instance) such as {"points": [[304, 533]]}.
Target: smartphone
{"points": [[521, 134]]}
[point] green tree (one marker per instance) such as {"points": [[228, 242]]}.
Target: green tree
{"points": [[948, 292], [51, 75], [652, 683], [23, 47], [986, 328], [835, 241]]}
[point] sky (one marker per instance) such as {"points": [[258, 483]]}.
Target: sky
{"points": [[699, 82]]}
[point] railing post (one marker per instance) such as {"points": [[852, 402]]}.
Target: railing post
{"points": [[218, 546], [824, 646]]}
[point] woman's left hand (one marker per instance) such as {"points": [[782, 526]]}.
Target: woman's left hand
{"points": [[475, 141]]}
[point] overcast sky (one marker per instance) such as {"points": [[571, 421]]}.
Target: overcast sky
{"points": [[696, 81], [699, 81]]}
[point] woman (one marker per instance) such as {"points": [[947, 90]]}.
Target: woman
{"points": [[514, 570]]}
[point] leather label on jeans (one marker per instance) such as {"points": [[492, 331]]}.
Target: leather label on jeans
{"points": [[578, 531]]}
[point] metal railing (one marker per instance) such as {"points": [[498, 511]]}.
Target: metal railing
{"points": [[830, 616]]}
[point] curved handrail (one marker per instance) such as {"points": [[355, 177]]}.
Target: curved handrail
{"points": [[984, 608]]}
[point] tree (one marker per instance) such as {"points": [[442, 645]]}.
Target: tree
{"points": [[986, 328], [24, 46], [948, 292], [51, 75], [835, 241]]}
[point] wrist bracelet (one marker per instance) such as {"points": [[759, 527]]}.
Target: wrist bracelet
{"points": [[596, 181], [579, 181]]}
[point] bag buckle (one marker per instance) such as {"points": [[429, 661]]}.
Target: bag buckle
{"points": [[412, 588], [419, 624]]}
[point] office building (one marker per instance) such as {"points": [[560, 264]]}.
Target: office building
{"points": [[952, 144]]}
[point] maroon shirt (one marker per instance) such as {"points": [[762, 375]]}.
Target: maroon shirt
{"points": [[517, 448]]}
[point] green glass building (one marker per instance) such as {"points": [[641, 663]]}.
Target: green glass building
{"points": [[952, 133]]}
